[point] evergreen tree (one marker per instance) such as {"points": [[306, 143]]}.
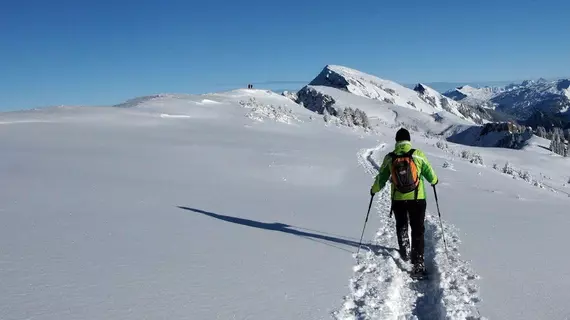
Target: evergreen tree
{"points": [[557, 144], [552, 145], [362, 118], [326, 115], [347, 117], [508, 169], [541, 132], [559, 131]]}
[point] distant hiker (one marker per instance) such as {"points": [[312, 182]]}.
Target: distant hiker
{"points": [[406, 167]]}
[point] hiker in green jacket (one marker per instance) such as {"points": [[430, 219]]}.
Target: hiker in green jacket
{"points": [[406, 168]]}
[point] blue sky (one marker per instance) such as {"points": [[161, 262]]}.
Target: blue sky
{"points": [[103, 52]]}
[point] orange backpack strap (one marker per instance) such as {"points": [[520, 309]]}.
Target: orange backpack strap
{"points": [[411, 155]]}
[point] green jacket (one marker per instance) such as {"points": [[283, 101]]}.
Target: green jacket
{"points": [[424, 171]]}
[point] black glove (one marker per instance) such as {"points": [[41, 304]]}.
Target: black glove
{"points": [[434, 184], [372, 192]]}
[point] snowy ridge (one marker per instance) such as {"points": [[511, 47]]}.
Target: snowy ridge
{"points": [[369, 86], [135, 102], [260, 112], [381, 287], [372, 87]]}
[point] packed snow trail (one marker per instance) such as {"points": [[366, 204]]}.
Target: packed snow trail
{"points": [[381, 287]]}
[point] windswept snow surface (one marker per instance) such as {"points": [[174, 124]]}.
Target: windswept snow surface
{"points": [[119, 213], [226, 213]]}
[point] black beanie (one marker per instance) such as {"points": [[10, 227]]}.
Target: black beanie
{"points": [[403, 135]]}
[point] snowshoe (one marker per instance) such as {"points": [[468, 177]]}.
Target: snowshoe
{"points": [[419, 272], [404, 254]]}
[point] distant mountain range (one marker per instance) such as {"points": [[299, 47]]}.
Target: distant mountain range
{"points": [[526, 102], [447, 86], [531, 102]]}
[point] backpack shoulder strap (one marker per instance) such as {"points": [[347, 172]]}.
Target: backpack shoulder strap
{"points": [[411, 155]]}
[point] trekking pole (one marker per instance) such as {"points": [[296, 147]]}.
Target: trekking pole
{"points": [[441, 223], [365, 221]]}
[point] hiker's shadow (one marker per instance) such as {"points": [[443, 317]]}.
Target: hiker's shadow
{"points": [[332, 240]]}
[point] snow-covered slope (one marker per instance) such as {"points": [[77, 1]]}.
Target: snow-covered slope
{"points": [[498, 135], [372, 87], [480, 94], [475, 113], [245, 205], [177, 207], [320, 98]]}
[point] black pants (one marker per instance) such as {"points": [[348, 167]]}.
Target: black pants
{"points": [[413, 211]]}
